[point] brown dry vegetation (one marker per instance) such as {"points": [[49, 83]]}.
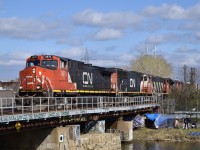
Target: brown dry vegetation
{"points": [[165, 134]]}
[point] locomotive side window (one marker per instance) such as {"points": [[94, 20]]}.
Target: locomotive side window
{"points": [[50, 64], [33, 63], [69, 64], [145, 78], [62, 64]]}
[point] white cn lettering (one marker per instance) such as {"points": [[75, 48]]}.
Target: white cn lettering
{"points": [[132, 82], [87, 78]]}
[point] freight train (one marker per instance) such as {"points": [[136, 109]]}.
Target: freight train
{"points": [[50, 75]]}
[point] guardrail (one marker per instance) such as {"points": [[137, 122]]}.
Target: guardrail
{"points": [[187, 112], [14, 109]]}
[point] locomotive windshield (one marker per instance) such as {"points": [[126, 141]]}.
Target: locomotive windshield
{"points": [[33, 63], [50, 64]]}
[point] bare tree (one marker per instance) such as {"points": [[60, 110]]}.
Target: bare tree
{"points": [[149, 64], [187, 95]]}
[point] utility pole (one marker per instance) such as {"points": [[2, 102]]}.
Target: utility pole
{"points": [[192, 75], [155, 51]]}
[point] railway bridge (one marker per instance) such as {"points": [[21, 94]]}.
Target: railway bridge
{"points": [[70, 109], [20, 115]]}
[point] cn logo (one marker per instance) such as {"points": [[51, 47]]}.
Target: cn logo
{"points": [[132, 82], [87, 78]]}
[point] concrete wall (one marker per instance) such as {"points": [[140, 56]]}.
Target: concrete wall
{"points": [[60, 138], [126, 128], [99, 127], [106, 141]]}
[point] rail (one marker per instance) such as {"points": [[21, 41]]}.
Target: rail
{"points": [[17, 109]]}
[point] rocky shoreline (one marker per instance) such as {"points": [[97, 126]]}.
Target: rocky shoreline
{"points": [[166, 134]]}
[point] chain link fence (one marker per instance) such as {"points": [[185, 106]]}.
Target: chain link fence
{"points": [[169, 106]]}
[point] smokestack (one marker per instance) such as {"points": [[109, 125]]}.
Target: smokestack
{"points": [[185, 73], [192, 75]]}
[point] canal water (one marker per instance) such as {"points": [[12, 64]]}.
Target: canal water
{"points": [[154, 145]]}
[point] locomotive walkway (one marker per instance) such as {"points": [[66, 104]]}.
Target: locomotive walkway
{"points": [[25, 109]]}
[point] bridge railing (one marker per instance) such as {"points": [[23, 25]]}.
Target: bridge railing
{"points": [[12, 106]]}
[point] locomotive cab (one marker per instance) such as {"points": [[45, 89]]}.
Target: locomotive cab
{"points": [[35, 77], [47, 62], [43, 75], [146, 84], [166, 87]]}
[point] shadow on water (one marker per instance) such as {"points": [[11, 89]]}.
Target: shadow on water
{"points": [[154, 145]]}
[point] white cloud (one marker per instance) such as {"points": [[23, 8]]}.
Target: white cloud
{"points": [[187, 50], [106, 34], [19, 55], [184, 55], [173, 12], [166, 11], [108, 20], [32, 29], [73, 53], [126, 57], [12, 62], [194, 12], [156, 39], [171, 38], [72, 42], [14, 58]]}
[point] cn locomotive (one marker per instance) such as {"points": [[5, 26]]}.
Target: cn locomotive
{"points": [[50, 75]]}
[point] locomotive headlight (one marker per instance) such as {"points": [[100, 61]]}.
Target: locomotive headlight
{"points": [[33, 70], [20, 87], [38, 87]]}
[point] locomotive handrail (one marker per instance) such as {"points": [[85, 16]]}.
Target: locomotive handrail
{"points": [[14, 109]]}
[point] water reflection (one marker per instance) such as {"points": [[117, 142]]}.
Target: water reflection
{"points": [[152, 145]]}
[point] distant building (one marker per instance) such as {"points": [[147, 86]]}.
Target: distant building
{"points": [[9, 88], [9, 85]]}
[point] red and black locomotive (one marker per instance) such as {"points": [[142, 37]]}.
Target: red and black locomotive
{"points": [[50, 75]]}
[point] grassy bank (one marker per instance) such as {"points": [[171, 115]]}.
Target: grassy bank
{"points": [[165, 134]]}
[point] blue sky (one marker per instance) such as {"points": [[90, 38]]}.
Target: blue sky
{"points": [[113, 32]]}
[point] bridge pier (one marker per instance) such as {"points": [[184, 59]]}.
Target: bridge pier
{"points": [[98, 127], [118, 126], [126, 129], [59, 138]]}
